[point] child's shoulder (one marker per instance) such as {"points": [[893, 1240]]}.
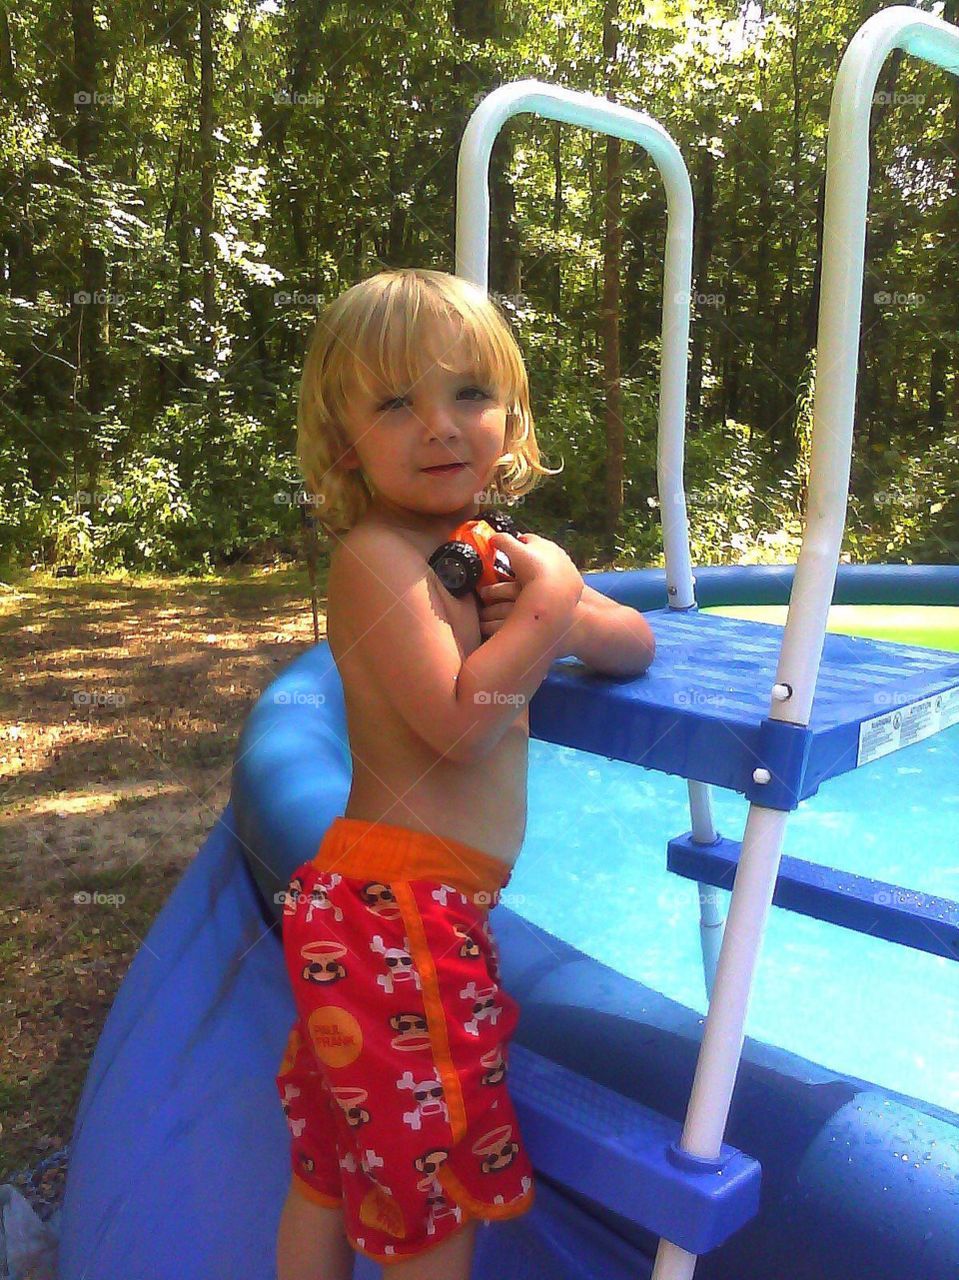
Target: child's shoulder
{"points": [[374, 564], [370, 542]]}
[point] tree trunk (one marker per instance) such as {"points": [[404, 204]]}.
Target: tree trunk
{"points": [[703, 250], [89, 305], [478, 21], [936, 414], [812, 309], [211, 314], [951, 210], [506, 267], [184, 289], [615, 441], [207, 165], [8, 79], [730, 344], [764, 353], [879, 236], [556, 275]]}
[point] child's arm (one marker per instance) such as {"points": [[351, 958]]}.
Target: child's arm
{"points": [[510, 666], [393, 607], [614, 639]]}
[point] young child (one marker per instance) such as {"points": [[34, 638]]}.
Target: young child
{"points": [[414, 414]]}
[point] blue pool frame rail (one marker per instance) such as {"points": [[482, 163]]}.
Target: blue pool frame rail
{"points": [[924, 922]]}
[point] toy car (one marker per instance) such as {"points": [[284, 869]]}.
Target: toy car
{"points": [[467, 561]]}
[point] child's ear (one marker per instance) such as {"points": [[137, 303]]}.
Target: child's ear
{"points": [[349, 459]]}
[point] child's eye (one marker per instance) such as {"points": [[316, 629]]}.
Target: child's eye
{"points": [[394, 401]]}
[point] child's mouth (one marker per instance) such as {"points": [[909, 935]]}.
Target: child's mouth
{"points": [[445, 470]]}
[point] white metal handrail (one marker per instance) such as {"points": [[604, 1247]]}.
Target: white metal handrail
{"points": [[847, 180], [837, 344], [844, 233], [472, 262]]}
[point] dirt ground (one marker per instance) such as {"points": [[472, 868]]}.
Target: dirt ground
{"points": [[120, 708]]}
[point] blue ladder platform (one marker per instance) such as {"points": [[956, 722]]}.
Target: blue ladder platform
{"points": [[700, 711], [626, 1157], [918, 920]]}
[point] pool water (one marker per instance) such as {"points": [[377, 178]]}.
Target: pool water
{"points": [[593, 871]]}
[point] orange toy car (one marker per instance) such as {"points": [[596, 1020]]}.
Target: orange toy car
{"points": [[467, 561]]}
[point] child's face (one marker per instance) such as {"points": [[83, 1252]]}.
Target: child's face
{"points": [[445, 418]]}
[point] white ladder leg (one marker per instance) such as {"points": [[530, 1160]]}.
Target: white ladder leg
{"points": [[724, 1031], [710, 916]]}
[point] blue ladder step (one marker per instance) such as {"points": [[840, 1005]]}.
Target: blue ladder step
{"points": [[702, 709], [625, 1156], [918, 920]]}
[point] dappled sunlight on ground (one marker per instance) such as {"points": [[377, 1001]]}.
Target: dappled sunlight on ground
{"points": [[120, 711]]}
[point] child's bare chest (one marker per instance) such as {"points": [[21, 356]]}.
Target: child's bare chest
{"points": [[398, 779]]}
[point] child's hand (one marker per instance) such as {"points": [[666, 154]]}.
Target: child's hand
{"points": [[496, 604], [537, 560]]}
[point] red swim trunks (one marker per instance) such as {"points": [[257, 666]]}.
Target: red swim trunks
{"points": [[394, 1076]]}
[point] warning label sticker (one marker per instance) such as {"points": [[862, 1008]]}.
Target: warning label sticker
{"points": [[906, 724]]}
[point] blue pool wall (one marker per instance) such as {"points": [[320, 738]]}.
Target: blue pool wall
{"points": [[856, 1178], [180, 1153]]}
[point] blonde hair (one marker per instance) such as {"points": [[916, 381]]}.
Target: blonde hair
{"points": [[373, 332]]}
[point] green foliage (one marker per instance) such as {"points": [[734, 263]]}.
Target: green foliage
{"points": [[149, 409], [20, 505]]}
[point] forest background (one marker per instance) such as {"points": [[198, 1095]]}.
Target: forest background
{"points": [[185, 183]]}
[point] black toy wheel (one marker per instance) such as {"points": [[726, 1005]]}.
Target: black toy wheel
{"points": [[502, 522], [458, 566]]}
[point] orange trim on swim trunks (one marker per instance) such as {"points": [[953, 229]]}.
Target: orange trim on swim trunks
{"points": [[289, 1053], [318, 1197], [428, 1247], [433, 1004], [378, 1209], [358, 848], [479, 1208]]}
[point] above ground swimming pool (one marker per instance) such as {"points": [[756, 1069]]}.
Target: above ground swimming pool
{"points": [[845, 1092], [858, 1005]]}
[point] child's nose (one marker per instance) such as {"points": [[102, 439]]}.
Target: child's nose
{"points": [[441, 422]]}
